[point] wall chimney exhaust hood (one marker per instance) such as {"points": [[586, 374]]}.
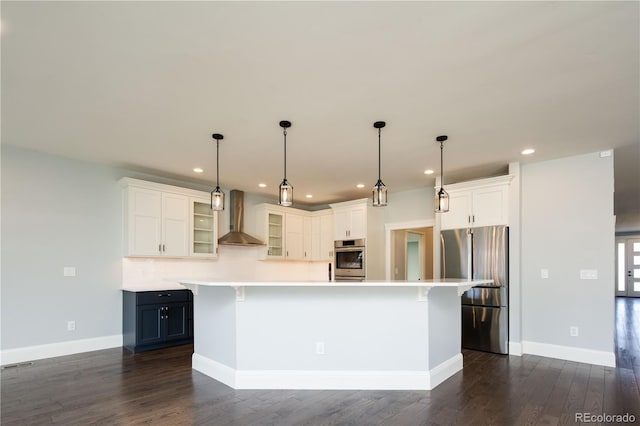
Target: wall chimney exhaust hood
{"points": [[236, 237]]}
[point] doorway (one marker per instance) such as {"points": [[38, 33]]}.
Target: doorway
{"points": [[411, 254], [628, 266]]}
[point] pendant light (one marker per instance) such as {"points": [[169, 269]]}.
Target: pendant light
{"points": [[285, 195], [379, 190], [442, 198], [217, 196]]}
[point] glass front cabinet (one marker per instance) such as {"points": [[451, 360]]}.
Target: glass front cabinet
{"points": [[275, 237], [204, 232]]}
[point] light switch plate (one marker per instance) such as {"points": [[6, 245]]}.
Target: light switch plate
{"points": [[544, 273], [588, 274], [69, 271]]}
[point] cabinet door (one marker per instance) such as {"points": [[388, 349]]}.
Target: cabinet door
{"points": [[275, 234], [175, 225], [149, 324], [341, 224], [459, 211], [490, 206], [145, 222], [294, 245], [326, 237], [176, 321], [322, 237], [204, 232], [308, 246], [358, 223]]}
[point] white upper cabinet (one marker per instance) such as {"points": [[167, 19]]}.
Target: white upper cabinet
{"points": [[295, 237], [293, 234], [322, 235], [144, 217], [175, 225], [350, 222], [204, 229], [161, 220], [271, 229], [477, 203]]}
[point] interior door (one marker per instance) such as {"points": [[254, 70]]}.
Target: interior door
{"points": [[414, 256], [628, 267]]}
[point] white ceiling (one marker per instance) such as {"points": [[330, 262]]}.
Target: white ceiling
{"points": [[143, 85]]}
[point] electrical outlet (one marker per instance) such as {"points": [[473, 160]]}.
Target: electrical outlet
{"points": [[588, 274], [71, 326], [573, 331], [320, 348], [544, 273]]}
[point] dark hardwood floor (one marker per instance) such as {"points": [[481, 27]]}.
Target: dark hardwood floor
{"points": [[116, 387]]}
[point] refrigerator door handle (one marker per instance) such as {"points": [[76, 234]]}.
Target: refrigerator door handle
{"points": [[470, 255]]}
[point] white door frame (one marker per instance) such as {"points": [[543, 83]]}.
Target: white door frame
{"points": [[625, 267], [397, 226]]}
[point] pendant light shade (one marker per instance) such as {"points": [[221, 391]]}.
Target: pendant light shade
{"points": [[285, 195], [442, 197], [379, 190], [217, 196]]}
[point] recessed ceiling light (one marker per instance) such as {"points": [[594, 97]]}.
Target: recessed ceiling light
{"points": [[528, 151], [360, 185], [428, 172], [198, 170], [309, 196], [262, 185]]}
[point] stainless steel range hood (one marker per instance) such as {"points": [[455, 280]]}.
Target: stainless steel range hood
{"points": [[236, 237]]}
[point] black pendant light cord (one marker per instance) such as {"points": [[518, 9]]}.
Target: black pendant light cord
{"points": [[441, 139], [441, 165], [217, 164], [284, 131], [379, 149]]}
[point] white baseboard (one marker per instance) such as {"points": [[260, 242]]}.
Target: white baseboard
{"points": [[515, 348], [324, 379], [32, 353], [570, 353], [443, 371], [214, 369]]}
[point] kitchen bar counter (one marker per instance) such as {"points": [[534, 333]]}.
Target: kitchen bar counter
{"points": [[328, 335]]}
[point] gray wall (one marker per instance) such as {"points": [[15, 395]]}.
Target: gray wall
{"points": [[58, 213], [568, 225], [405, 206]]}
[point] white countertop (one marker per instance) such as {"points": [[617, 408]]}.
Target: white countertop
{"points": [[449, 282], [155, 287]]}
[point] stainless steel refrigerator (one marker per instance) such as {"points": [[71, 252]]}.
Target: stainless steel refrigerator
{"points": [[480, 253]]}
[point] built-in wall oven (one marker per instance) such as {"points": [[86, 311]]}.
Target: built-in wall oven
{"points": [[350, 260]]}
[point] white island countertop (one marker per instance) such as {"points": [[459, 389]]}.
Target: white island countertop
{"points": [[461, 284], [447, 282]]}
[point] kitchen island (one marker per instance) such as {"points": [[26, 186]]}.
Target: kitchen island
{"points": [[328, 335]]}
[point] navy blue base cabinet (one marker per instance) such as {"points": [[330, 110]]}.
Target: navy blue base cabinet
{"points": [[156, 319]]}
